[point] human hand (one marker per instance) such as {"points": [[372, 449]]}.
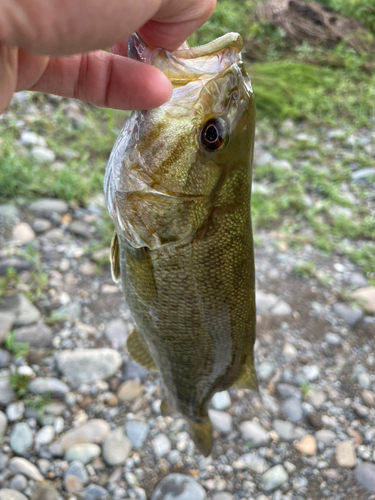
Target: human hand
{"points": [[55, 47]]}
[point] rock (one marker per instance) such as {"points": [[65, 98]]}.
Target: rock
{"points": [[4, 358], [289, 351], [46, 206], [42, 155], [20, 465], [311, 372], [117, 333], [368, 397], [15, 411], [3, 425], [345, 454], [23, 233], [366, 298], [273, 478], [282, 308], [29, 138], [137, 432], [38, 336], [8, 494], [287, 390], [23, 310], [162, 445], [265, 370], [351, 315], [54, 235], [357, 279], [265, 159], [84, 453], [53, 386], [293, 409], [307, 445], [86, 366], [221, 421], [6, 323], [41, 225], [254, 432], [45, 435], [333, 338], [19, 265], [93, 431], [21, 438], [18, 482], [325, 436], [7, 394], [95, 492], [221, 400], [363, 174], [79, 229], [360, 410], [282, 165], [265, 301], [45, 492], [223, 495], [365, 475], [8, 213], [75, 477], [129, 390], [178, 487], [254, 462], [316, 398], [116, 447], [284, 429]]}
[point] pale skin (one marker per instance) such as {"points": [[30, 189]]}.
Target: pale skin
{"points": [[56, 46]]}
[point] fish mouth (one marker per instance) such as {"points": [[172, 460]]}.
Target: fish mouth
{"points": [[190, 64]]}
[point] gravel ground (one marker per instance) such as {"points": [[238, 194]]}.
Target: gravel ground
{"points": [[80, 420]]}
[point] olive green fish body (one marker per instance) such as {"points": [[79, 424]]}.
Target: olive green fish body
{"points": [[178, 188]]}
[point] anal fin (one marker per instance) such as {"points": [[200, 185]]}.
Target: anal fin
{"points": [[166, 409], [139, 351], [248, 378], [201, 434]]}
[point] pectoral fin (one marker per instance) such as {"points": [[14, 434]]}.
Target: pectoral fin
{"points": [[166, 409], [115, 258], [139, 351], [248, 377], [201, 433]]}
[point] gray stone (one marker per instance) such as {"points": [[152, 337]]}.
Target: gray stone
{"points": [[325, 436], [41, 225], [116, 447], [282, 165], [337, 211], [42, 155], [7, 394], [282, 308], [162, 445], [178, 487], [70, 312], [8, 494], [29, 138], [351, 315], [274, 478], [365, 475], [95, 492], [23, 310], [287, 390], [45, 435], [84, 453], [48, 205], [18, 482], [23, 233], [4, 358], [21, 438], [3, 461], [93, 431], [45, 492], [38, 336], [333, 338], [53, 386], [363, 174], [6, 323], [79, 229], [117, 333], [3, 425], [254, 432], [311, 372], [265, 370], [357, 279], [86, 366], [264, 159], [284, 429], [223, 495], [15, 411], [265, 301], [18, 264], [316, 398], [137, 432], [75, 477], [221, 400], [254, 462], [20, 465], [293, 409], [221, 421], [8, 213]]}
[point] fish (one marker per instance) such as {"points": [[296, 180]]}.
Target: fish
{"points": [[178, 189]]}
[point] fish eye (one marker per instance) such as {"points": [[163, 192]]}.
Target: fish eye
{"points": [[214, 134]]}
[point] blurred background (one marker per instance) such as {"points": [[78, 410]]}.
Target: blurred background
{"points": [[310, 431]]}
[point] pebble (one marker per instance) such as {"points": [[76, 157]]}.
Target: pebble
{"points": [[325, 436], [368, 397], [307, 445], [21, 438], [3, 425], [333, 338], [273, 478], [363, 174], [223, 495], [351, 315], [289, 351], [7, 394], [221, 421], [116, 447], [365, 475], [178, 487], [161, 445], [18, 482], [221, 401], [42, 155], [345, 454], [252, 431], [293, 409], [117, 333], [45, 492], [282, 308], [75, 477], [86, 366], [48, 205], [21, 308], [6, 323], [41, 225], [265, 370], [316, 398], [254, 462], [38, 335], [29, 138], [137, 432], [18, 264], [129, 390], [366, 298], [70, 312], [8, 494], [19, 465], [8, 212], [284, 429], [79, 229], [54, 387], [23, 233], [93, 431], [15, 411], [84, 453], [95, 492], [265, 301], [45, 435], [311, 372], [4, 358]]}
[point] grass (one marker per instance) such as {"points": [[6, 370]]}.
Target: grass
{"points": [[18, 349]]}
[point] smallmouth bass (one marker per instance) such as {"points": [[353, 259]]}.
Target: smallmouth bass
{"points": [[178, 186]]}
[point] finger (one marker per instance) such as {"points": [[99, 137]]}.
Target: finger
{"points": [[8, 75], [120, 49], [30, 69], [106, 80]]}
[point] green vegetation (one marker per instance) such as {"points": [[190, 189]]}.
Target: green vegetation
{"points": [[18, 349], [19, 383]]}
